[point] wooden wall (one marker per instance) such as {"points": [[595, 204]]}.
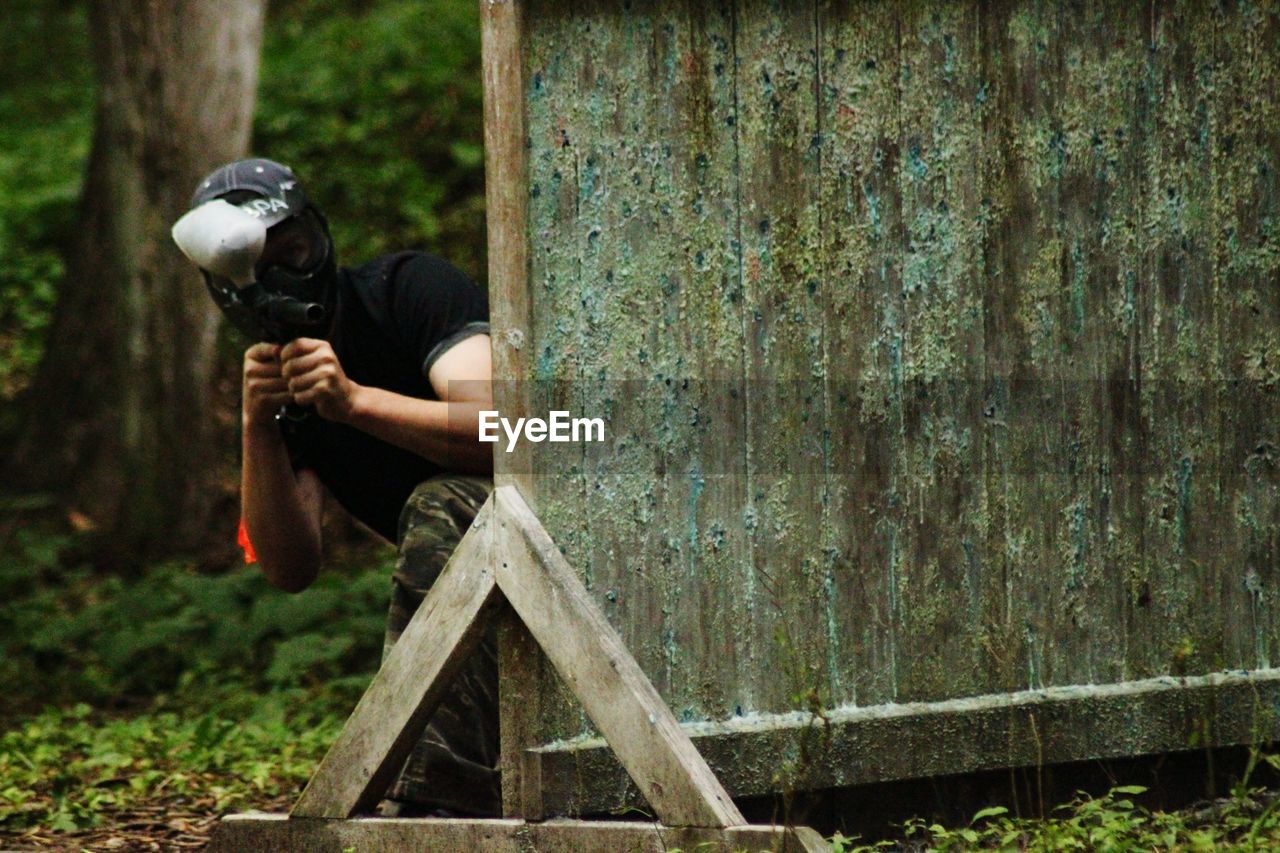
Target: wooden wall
{"points": [[937, 341]]}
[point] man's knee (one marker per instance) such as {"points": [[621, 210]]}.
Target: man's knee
{"points": [[433, 521], [447, 503]]}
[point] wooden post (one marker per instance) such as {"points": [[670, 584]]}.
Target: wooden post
{"points": [[502, 31], [519, 709]]}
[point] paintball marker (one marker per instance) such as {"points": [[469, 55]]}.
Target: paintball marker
{"points": [[225, 241]]}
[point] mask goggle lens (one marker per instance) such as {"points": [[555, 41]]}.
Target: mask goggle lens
{"points": [[296, 244]]}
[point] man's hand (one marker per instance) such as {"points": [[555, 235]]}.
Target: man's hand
{"points": [[316, 378], [265, 388]]}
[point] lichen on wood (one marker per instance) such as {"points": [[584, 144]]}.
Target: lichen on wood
{"points": [[937, 342]]}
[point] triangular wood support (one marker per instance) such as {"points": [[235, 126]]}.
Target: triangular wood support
{"points": [[508, 556]]}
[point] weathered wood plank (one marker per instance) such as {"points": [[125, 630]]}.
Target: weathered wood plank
{"points": [[634, 212], [938, 493], [274, 833], [1021, 74], [862, 274], [390, 717], [520, 694], [703, 439], [1021, 276], [1245, 160], [624, 174], [556, 32], [531, 802], [1180, 350], [1086, 184], [1062, 260], [1023, 163], [544, 590], [506, 197], [779, 153], [657, 221], [918, 740], [524, 675]]}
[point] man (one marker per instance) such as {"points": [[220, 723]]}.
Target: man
{"points": [[366, 382]]}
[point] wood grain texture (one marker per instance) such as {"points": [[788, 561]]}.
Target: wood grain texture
{"points": [[546, 593], [1245, 158], [506, 180], [1021, 73], [391, 715], [520, 666], [937, 497], [861, 269], [272, 833], [993, 284], [1182, 396], [551, 72], [779, 152], [1056, 481], [890, 743]]}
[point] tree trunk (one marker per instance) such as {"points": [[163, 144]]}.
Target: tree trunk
{"points": [[117, 420]]}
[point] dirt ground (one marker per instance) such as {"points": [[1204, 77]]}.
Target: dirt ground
{"points": [[178, 824]]}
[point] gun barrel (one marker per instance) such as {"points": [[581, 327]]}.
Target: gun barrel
{"points": [[295, 311]]}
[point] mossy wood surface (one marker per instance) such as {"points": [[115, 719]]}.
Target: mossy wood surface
{"points": [[937, 342]]}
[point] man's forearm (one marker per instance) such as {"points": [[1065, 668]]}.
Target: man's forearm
{"points": [[281, 513], [446, 433]]}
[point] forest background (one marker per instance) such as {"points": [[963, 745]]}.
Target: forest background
{"points": [[143, 699]]}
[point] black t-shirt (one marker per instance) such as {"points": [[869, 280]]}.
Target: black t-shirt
{"points": [[394, 317]]}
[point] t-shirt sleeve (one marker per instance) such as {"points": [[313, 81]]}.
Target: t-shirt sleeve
{"points": [[437, 306]]}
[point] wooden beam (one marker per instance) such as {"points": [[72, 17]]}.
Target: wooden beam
{"points": [[858, 746], [266, 833], [506, 189], [391, 716], [520, 664], [593, 661]]}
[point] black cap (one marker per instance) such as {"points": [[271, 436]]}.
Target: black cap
{"points": [[273, 192]]}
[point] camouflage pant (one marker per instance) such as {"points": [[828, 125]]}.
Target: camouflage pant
{"points": [[454, 765]]}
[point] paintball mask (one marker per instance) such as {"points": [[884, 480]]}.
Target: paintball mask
{"points": [[264, 251]]}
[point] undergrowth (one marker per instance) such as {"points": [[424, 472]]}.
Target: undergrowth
{"points": [[68, 634], [205, 693], [214, 746], [1248, 819]]}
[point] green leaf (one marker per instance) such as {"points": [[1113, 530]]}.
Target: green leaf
{"points": [[990, 811]]}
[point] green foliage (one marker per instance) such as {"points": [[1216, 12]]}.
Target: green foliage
{"points": [[379, 108], [1112, 822], [67, 769], [46, 106], [68, 636], [173, 684]]}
